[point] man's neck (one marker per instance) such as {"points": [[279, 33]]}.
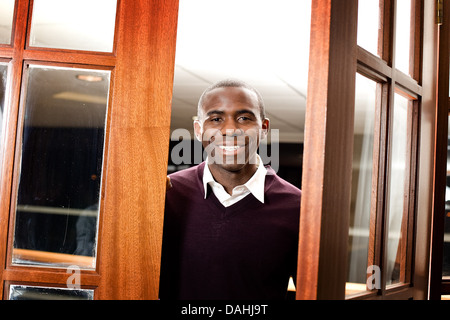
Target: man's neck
{"points": [[230, 179]]}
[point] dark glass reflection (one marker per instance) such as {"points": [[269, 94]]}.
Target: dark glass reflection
{"points": [[17, 292], [61, 163], [446, 253]]}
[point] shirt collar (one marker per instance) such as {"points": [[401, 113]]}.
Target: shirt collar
{"points": [[255, 184]]}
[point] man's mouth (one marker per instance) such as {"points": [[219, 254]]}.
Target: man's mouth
{"points": [[230, 148]]}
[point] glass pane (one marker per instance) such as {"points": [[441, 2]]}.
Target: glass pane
{"points": [[446, 256], [61, 166], [3, 77], [361, 184], [77, 24], [19, 292], [403, 36], [6, 20], [369, 25], [396, 246]]}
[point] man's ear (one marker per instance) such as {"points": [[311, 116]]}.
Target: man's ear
{"points": [[198, 130], [265, 128]]}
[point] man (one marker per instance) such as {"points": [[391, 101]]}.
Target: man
{"points": [[231, 224]]}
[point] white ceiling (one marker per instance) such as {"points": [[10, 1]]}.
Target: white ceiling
{"points": [[263, 42]]}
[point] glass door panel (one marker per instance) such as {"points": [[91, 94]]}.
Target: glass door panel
{"points": [[74, 24], [3, 77], [61, 166], [403, 36], [446, 245], [6, 20], [369, 25], [360, 214], [21, 292], [396, 241]]}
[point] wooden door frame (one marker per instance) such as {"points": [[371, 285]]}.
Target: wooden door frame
{"points": [[440, 158], [329, 122]]}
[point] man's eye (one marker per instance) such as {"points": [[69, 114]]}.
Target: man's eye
{"points": [[215, 119]]}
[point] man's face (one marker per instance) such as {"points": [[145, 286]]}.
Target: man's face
{"points": [[230, 127]]}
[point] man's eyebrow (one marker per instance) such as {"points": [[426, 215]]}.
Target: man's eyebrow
{"points": [[238, 112], [244, 111], [217, 112]]}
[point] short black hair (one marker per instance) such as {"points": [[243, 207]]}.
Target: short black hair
{"points": [[233, 83]]}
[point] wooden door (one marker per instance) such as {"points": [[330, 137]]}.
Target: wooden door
{"points": [[132, 161], [336, 57]]}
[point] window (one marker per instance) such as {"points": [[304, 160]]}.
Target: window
{"points": [[57, 207], [3, 78], [445, 288], [446, 257], [6, 18], [362, 177], [385, 168], [81, 25]]}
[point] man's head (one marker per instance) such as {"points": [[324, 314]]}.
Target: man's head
{"points": [[227, 84], [231, 121]]}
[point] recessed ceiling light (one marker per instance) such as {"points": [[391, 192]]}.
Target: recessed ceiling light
{"points": [[80, 97], [89, 78]]}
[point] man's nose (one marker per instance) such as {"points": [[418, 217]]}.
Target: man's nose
{"points": [[231, 128]]}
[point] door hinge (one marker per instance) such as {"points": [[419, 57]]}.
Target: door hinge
{"points": [[439, 12]]}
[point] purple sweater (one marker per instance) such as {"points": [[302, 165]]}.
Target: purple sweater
{"points": [[245, 251]]}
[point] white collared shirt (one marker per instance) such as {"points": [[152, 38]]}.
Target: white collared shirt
{"points": [[254, 185]]}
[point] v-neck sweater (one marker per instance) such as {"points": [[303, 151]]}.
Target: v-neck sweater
{"points": [[245, 251]]}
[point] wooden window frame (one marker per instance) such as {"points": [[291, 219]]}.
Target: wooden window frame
{"points": [[321, 274], [391, 82]]}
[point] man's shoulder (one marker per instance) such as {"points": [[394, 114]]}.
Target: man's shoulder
{"points": [[184, 185], [279, 184], [186, 177]]}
